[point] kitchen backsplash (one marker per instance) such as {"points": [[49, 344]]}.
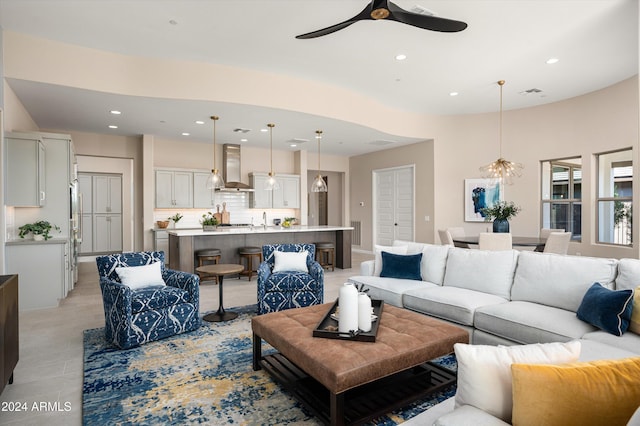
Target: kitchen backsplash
{"points": [[237, 206]]}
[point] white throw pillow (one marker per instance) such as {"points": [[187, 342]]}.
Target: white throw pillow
{"points": [[290, 261], [484, 372], [136, 277], [377, 264]]}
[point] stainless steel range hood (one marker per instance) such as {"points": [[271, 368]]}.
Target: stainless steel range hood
{"points": [[231, 169]]}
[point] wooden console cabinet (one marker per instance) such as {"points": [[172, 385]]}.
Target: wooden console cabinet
{"points": [[8, 328]]}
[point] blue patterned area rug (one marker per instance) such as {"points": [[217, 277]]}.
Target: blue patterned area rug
{"points": [[201, 377]]}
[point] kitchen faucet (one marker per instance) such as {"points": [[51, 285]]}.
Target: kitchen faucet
{"points": [[264, 219]]}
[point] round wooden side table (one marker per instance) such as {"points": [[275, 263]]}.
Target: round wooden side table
{"points": [[220, 270]]}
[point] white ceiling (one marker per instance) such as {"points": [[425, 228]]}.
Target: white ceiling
{"points": [[596, 42]]}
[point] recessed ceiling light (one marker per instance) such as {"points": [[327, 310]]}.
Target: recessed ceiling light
{"points": [[112, 126], [401, 57], [293, 145], [453, 94], [264, 130], [551, 61], [115, 112], [185, 133], [244, 140], [199, 122]]}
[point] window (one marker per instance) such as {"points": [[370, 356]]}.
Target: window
{"points": [[615, 197], [562, 196]]}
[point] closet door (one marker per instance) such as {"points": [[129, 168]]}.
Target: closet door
{"points": [[393, 191]]}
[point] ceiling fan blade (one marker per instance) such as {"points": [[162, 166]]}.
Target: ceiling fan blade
{"points": [[365, 14], [427, 22]]}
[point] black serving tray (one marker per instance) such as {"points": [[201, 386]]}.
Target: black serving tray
{"points": [[328, 327]]}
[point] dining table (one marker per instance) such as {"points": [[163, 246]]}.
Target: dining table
{"points": [[537, 242]]}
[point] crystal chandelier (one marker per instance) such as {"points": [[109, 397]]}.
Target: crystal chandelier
{"points": [[502, 170], [319, 185], [271, 183], [214, 181]]}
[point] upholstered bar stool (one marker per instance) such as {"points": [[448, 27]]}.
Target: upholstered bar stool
{"points": [[249, 253], [208, 256], [325, 254]]}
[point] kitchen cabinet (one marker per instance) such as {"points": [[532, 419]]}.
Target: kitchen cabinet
{"points": [[174, 189], [86, 246], [25, 166], [161, 243], [107, 232], [203, 198], [41, 267], [9, 330], [287, 197], [107, 194]]}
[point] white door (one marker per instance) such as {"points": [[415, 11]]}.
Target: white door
{"points": [[394, 205]]}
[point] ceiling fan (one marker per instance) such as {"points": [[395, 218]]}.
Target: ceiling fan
{"points": [[384, 9]]}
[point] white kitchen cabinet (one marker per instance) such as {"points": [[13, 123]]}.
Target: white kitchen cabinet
{"points": [[107, 232], [174, 189], [25, 166], [87, 234], [41, 268], [203, 198], [161, 243], [85, 189], [287, 197], [107, 194]]}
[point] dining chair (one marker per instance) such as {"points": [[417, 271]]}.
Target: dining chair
{"points": [[457, 231], [557, 242], [495, 241], [544, 232], [445, 237]]}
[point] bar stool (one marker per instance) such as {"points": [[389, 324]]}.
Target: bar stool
{"points": [[249, 253], [208, 255], [325, 255]]}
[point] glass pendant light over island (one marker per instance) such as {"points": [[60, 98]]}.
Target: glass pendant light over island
{"points": [[271, 183], [319, 185], [214, 181], [502, 170]]}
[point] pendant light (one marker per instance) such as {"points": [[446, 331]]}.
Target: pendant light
{"points": [[319, 185], [502, 170], [271, 183], [214, 181]]}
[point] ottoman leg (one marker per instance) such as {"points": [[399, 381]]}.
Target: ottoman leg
{"points": [[257, 352], [336, 405]]}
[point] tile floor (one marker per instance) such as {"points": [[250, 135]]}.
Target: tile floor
{"points": [[47, 387]]}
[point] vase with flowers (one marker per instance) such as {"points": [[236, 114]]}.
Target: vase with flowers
{"points": [[500, 213], [209, 222]]}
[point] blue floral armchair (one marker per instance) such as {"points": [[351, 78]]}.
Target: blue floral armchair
{"points": [[134, 317], [289, 289]]}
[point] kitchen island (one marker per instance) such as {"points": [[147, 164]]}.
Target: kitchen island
{"points": [[183, 243]]}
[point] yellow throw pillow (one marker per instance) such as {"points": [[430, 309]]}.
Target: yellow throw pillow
{"points": [[634, 324], [585, 393]]}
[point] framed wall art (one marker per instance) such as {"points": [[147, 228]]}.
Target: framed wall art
{"points": [[478, 194]]}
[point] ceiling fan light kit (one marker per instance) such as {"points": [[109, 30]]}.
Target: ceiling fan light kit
{"points": [[271, 183], [319, 185], [384, 9], [214, 181], [501, 170]]}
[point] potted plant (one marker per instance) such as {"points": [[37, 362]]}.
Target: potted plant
{"points": [[175, 218], [40, 230], [209, 222], [288, 221], [500, 213]]}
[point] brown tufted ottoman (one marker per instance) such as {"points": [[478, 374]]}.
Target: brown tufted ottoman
{"points": [[350, 381]]}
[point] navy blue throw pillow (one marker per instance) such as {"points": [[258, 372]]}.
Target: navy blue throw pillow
{"points": [[401, 266], [609, 310]]}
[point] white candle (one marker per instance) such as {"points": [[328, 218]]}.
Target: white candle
{"points": [[348, 302], [364, 312]]}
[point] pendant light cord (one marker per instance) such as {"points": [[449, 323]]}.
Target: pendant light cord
{"points": [[500, 83], [318, 133], [271, 126], [214, 118]]}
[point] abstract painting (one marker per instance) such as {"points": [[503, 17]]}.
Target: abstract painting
{"points": [[478, 194]]}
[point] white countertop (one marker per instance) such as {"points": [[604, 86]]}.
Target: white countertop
{"points": [[256, 230], [27, 241]]}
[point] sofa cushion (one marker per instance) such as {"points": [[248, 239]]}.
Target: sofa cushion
{"points": [[468, 415], [559, 280], [377, 268], [593, 393], [628, 341], [628, 274], [484, 372], [450, 303], [481, 270], [434, 259], [525, 322], [157, 298], [609, 310], [388, 289], [403, 266]]}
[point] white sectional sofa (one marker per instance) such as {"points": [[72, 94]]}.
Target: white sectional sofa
{"points": [[507, 298]]}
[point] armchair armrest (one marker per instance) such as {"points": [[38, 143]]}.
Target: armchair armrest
{"points": [[116, 296], [316, 271], [185, 281], [367, 268], [264, 271]]}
